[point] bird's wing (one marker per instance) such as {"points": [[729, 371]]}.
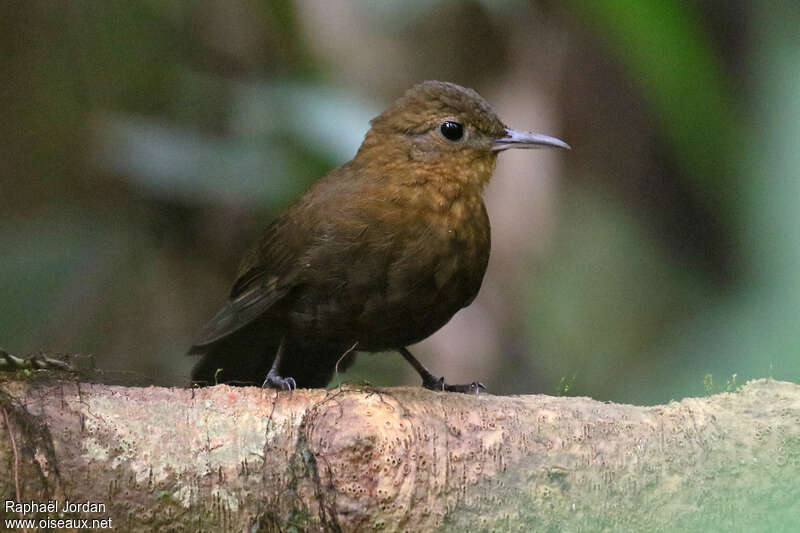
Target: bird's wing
{"points": [[240, 311], [267, 275], [275, 265]]}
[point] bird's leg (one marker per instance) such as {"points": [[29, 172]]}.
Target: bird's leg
{"points": [[429, 381], [275, 380]]}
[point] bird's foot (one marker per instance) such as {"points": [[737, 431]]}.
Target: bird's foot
{"points": [[468, 388], [273, 381]]}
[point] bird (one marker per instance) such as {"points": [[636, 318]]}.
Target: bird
{"points": [[378, 255]]}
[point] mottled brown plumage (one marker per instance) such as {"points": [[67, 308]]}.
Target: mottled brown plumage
{"points": [[378, 255]]}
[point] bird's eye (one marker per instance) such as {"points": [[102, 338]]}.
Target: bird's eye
{"points": [[451, 130]]}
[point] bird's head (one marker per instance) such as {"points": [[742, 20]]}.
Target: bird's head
{"points": [[446, 128]]}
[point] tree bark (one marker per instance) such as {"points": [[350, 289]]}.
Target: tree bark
{"points": [[399, 459]]}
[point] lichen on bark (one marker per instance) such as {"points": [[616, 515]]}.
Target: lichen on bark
{"points": [[405, 459]]}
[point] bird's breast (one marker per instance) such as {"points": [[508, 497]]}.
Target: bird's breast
{"points": [[440, 264], [458, 234], [401, 273]]}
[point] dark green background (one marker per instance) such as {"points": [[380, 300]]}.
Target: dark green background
{"points": [[144, 143]]}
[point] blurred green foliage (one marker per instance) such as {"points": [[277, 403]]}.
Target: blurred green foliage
{"points": [[666, 50], [145, 143]]}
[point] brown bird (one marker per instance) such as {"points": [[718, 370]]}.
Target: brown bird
{"points": [[378, 255]]}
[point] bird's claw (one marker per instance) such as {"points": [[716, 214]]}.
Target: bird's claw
{"points": [[470, 388], [467, 388], [478, 386], [280, 383]]}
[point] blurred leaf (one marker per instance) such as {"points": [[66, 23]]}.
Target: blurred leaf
{"points": [[670, 56], [176, 163], [331, 120], [255, 164]]}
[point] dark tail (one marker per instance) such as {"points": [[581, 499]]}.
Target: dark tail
{"points": [[243, 358]]}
